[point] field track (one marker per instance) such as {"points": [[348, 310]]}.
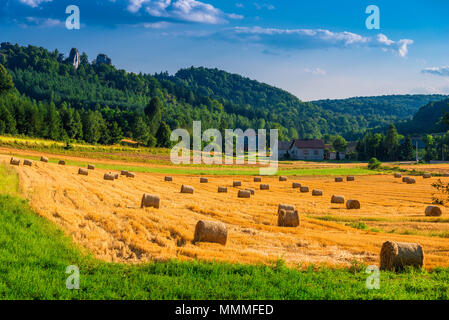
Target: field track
{"points": [[105, 217]]}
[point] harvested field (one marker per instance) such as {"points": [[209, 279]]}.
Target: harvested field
{"points": [[107, 219]]}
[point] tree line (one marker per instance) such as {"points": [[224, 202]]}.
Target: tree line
{"points": [[20, 114]]}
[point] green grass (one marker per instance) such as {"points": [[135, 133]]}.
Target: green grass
{"points": [[203, 170], [35, 254]]}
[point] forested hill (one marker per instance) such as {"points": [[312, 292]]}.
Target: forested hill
{"points": [[95, 102], [380, 111], [348, 117], [428, 119]]}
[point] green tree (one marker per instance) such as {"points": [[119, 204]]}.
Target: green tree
{"points": [[406, 150], [391, 143], [53, 123], [339, 143], [115, 133], [92, 121], [141, 131], [431, 153], [163, 136], [153, 111], [71, 122], [7, 121], [6, 83]]}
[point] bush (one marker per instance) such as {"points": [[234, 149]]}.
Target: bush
{"points": [[374, 164]]}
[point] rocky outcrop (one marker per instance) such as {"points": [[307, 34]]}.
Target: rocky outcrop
{"points": [[74, 57], [102, 58]]}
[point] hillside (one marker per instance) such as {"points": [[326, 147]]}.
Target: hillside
{"points": [[380, 111], [97, 103], [427, 119]]}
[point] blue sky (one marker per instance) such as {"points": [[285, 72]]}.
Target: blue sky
{"points": [[314, 49]]}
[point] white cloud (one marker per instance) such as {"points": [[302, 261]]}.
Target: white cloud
{"points": [[42, 22], [260, 6], [157, 25], [316, 71], [183, 10], [314, 39], [235, 16], [439, 71], [34, 3], [135, 5], [403, 46]]}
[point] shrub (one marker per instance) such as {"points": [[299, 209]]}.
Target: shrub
{"points": [[374, 164]]}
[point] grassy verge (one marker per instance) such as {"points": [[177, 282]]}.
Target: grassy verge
{"points": [[206, 170], [35, 254]]}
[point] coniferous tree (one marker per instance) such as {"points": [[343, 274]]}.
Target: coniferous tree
{"points": [[153, 111], [163, 136], [141, 131], [391, 144], [407, 151], [92, 121], [6, 83], [53, 123]]}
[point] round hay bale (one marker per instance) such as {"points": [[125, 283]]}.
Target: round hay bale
{"points": [[83, 172], [304, 189], [338, 179], [338, 199], [14, 162], [210, 231], [317, 192], [237, 184], [395, 256], [149, 200], [427, 176], [411, 181], [222, 190], [252, 191], [264, 187], [186, 189], [288, 218], [404, 179], [44, 159], [286, 207], [352, 204], [244, 194], [61, 162], [282, 178], [433, 211], [90, 167], [350, 178], [167, 178], [446, 174], [123, 172], [27, 162], [296, 185], [204, 180], [109, 176], [130, 175], [257, 179], [397, 175]]}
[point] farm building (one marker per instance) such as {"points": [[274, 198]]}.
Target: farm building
{"points": [[283, 148], [307, 149]]}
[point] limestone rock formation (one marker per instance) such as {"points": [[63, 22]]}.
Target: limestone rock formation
{"points": [[74, 57]]}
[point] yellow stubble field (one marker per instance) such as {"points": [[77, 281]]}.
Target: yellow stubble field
{"points": [[105, 217]]}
